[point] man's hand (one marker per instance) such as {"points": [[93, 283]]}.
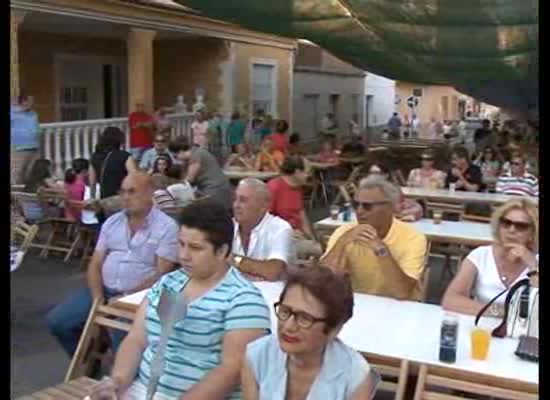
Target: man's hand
{"points": [[456, 173]]}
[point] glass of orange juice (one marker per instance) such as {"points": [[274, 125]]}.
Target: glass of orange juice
{"points": [[481, 339]]}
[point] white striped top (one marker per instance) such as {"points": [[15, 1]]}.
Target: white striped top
{"points": [[526, 185]]}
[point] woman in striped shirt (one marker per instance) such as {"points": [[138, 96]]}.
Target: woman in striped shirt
{"points": [[217, 313]]}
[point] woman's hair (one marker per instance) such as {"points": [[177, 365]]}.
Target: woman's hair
{"points": [[40, 170], [211, 218], [174, 172], [291, 164], [70, 176], [332, 290], [281, 126], [492, 151], [111, 139], [460, 152], [156, 162], [294, 138], [526, 206], [80, 164], [235, 115]]}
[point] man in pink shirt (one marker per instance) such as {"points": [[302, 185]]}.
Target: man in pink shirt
{"points": [[287, 203]]}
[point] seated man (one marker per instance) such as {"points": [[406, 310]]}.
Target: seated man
{"points": [[135, 248], [382, 255], [518, 181], [465, 175], [287, 202], [223, 312], [160, 149], [263, 244]]}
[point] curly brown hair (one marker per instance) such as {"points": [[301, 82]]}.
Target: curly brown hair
{"points": [[333, 291]]}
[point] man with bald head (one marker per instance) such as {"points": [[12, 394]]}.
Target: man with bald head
{"points": [[136, 246], [263, 243]]}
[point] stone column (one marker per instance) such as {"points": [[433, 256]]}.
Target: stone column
{"points": [[140, 67], [16, 18]]}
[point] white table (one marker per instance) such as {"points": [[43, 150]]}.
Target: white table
{"points": [[459, 196], [410, 330], [235, 174], [461, 232]]}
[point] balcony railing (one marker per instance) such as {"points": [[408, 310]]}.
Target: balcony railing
{"points": [[65, 141]]}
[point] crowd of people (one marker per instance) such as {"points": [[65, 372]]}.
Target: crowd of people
{"points": [[229, 237]]}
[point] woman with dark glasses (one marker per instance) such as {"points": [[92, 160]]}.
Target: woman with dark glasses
{"points": [[305, 360], [488, 270]]}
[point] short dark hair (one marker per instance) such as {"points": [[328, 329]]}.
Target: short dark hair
{"points": [[291, 164], [111, 139], [180, 144], [281, 126], [330, 289], [460, 152], [70, 176], [294, 138], [174, 172], [80, 164], [213, 219]]}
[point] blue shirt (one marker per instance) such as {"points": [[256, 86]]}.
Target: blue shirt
{"points": [[24, 129], [195, 345], [342, 371]]}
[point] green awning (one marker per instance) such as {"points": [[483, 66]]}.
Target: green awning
{"points": [[485, 48]]}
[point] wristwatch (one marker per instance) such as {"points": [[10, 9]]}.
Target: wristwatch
{"points": [[237, 260], [381, 251]]}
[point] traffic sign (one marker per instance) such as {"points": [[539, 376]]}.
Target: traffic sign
{"points": [[412, 102]]}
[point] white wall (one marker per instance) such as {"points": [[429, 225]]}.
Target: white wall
{"points": [[382, 104], [311, 95]]}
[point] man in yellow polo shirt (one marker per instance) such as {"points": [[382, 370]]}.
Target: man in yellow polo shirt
{"points": [[382, 255]]}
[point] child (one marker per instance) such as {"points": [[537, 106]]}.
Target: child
{"points": [[75, 186]]}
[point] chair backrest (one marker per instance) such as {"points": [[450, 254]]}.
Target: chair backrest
{"points": [[389, 375], [347, 191], [425, 277], [436, 383], [27, 234], [100, 317]]}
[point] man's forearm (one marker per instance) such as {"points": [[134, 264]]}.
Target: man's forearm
{"points": [[270, 270], [217, 384]]}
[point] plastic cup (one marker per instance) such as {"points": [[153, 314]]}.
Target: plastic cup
{"points": [[437, 217], [480, 339], [334, 211], [452, 187]]}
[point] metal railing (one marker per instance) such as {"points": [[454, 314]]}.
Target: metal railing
{"points": [[65, 141]]}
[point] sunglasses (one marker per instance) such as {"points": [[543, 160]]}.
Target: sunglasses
{"points": [[519, 225], [367, 206], [426, 159]]}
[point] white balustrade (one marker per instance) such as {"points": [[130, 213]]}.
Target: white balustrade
{"points": [[80, 138]]}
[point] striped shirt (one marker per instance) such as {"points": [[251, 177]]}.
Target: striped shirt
{"points": [[195, 345], [526, 185]]}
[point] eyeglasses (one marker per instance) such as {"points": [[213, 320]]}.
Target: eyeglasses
{"points": [[519, 225], [426, 159], [367, 206], [515, 163], [302, 319]]}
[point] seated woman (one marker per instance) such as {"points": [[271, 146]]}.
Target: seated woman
{"points": [[426, 176], [216, 310], [408, 210], [488, 270], [75, 187], [305, 360], [489, 164], [295, 145], [269, 158], [240, 157], [40, 177]]}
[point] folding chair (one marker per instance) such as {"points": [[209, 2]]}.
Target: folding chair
{"points": [[436, 383], [393, 374], [92, 344]]}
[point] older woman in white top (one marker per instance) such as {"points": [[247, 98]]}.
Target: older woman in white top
{"points": [[488, 270], [305, 360]]}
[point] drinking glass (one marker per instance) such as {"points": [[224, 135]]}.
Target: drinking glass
{"points": [[437, 216], [480, 339], [334, 211]]}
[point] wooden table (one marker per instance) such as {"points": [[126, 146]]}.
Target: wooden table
{"points": [[72, 390], [460, 196], [238, 174], [458, 232], [412, 333]]}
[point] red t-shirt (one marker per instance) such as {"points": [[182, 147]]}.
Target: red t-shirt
{"points": [[280, 142], [140, 137], [286, 202]]}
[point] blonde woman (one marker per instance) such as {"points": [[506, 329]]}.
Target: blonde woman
{"points": [[488, 270]]}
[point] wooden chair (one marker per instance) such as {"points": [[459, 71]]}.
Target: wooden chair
{"points": [[435, 383], [92, 341], [346, 192], [77, 389], [394, 374], [425, 277]]}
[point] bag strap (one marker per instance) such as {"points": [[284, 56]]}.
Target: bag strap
{"points": [[103, 165]]}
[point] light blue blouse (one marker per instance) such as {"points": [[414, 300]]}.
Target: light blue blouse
{"points": [[343, 370]]}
